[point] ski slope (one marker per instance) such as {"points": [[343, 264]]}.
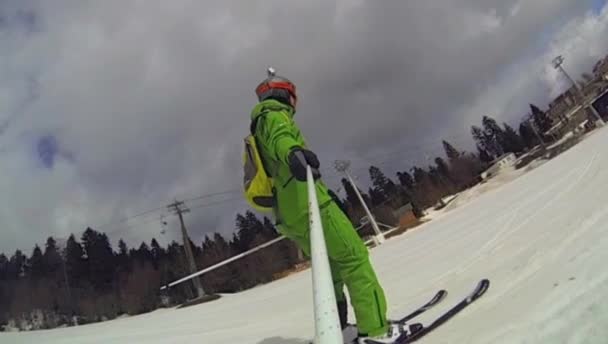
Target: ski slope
{"points": [[541, 238]]}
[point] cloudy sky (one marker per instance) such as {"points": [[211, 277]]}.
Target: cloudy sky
{"points": [[112, 108]]}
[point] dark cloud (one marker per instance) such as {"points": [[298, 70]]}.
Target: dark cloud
{"points": [[151, 99]]}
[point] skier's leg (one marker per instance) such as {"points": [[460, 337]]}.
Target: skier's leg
{"points": [[341, 302], [302, 239], [350, 258], [350, 263]]}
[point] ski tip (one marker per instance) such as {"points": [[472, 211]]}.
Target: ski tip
{"points": [[483, 286], [441, 294]]}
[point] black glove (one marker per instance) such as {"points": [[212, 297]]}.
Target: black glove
{"points": [[298, 159]]}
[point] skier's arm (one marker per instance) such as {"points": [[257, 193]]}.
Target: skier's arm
{"points": [[282, 140], [280, 135]]}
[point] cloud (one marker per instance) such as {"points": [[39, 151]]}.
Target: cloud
{"points": [[149, 100]]}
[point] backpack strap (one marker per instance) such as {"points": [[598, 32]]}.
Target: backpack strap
{"points": [[254, 123], [252, 129]]}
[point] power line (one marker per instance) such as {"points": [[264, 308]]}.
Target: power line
{"points": [[204, 205], [212, 194], [126, 219], [154, 210]]}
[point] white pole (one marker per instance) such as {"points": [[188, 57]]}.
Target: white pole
{"points": [[327, 321], [222, 263], [379, 236]]}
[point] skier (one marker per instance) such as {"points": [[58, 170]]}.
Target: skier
{"points": [[284, 154]]}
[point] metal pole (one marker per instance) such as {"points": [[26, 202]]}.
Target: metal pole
{"points": [[327, 321], [179, 211], [557, 63], [342, 166], [542, 143], [68, 290], [222, 263], [372, 220]]}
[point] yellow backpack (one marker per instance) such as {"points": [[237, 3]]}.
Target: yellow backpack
{"points": [[259, 191]]}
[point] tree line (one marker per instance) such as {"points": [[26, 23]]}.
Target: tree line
{"points": [[89, 281], [493, 141], [427, 186], [421, 187]]}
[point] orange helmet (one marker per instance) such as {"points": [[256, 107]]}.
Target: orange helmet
{"points": [[278, 88]]}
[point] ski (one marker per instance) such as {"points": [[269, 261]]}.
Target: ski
{"points": [[418, 331], [437, 298]]}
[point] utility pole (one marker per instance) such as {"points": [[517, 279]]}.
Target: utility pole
{"points": [[67, 287], [542, 142], [179, 208], [342, 166], [557, 64]]}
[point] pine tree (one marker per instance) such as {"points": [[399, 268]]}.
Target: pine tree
{"points": [[511, 141], [235, 244], [75, 263], [351, 197], [483, 155], [406, 180], [123, 261], [17, 265], [123, 250], [143, 254], [542, 121], [443, 168], [215, 250], [157, 253], [36, 264], [248, 226], [3, 267], [100, 259], [444, 175], [491, 126], [451, 152], [433, 174], [528, 136], [377, 197], [482, 140], [221, 244], [384, 188], [269, 229], [426, 193], [254, 223], [494, 136], [52, 260]]}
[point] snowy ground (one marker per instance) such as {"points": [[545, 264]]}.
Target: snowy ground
{"points": [[541, 238]]}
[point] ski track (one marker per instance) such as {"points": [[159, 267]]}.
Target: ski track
{"points": [[541, 239]]}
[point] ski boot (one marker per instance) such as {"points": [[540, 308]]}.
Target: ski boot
{"points": [[395, 332]]}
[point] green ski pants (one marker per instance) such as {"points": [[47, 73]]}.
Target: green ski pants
{"points": [[350, 266]]}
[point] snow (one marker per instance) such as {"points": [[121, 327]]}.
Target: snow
{"points": [[506, 175], [539, 236], [567, 136]]}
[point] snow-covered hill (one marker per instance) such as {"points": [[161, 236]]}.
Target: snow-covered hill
{"points": [[542, 239]]}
